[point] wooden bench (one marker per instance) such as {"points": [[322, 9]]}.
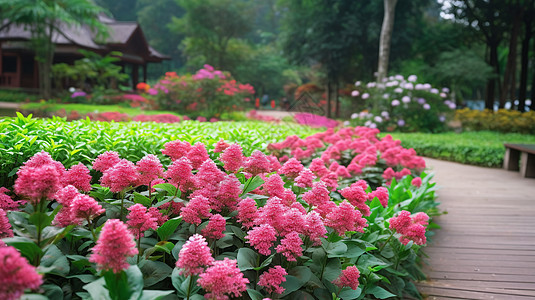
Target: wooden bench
{"points": [[520, 157]]}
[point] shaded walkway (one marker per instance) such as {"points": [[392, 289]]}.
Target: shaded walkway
{"points": [[486, 247]]}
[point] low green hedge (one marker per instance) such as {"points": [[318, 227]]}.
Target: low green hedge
{"points": [[484, 148], [83, 140]]}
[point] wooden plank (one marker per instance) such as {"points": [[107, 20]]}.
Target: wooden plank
{"points": [[528, 287], [483, 277], [467, 294], [497, 270], [529, 148]]}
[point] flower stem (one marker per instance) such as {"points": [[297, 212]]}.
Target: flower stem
{"points": [[138, 249], [122, 195], [91, 225], [323, 267], [388, 240], [190, 285]]}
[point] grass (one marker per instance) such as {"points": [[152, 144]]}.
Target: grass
{"points": [[16, 96], [91, 108], [483, 148]]}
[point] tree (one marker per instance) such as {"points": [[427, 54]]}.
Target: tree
{"points": [[386, 36], [211, 27], [321, 32], [44, 19]]}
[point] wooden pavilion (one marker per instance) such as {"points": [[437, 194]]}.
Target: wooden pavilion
{"points": [[18, 68]]}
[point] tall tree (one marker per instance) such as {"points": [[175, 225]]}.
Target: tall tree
{"points": [[524, 56], [43, 18], [211, 27], [386, 37]]}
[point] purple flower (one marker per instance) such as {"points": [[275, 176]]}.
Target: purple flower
{"points": [[426, 106], [355, 93], [406, 99], [401, 123], [412, 78], [421, 101], [365, 96], [152, 92], [398, 90], [395, 102], [78, 94], [442, 118]]}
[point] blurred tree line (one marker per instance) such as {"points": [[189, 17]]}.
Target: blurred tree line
{"points": [[480, 49]]}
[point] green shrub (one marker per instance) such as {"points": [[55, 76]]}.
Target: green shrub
{"points": [[502, 120], [82, 140], [16, 96], [475, 148]]}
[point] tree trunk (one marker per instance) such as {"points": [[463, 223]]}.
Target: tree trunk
{"points": [[337, 99], [491, 82], [524, 61], [386, 36], [510, 68], [328, 95]]}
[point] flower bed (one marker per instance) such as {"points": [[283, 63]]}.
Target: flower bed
{"points": [[507, 121], [218, 222]]}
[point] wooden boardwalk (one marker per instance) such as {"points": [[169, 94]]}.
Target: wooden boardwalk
{"points": [[486, 247]]}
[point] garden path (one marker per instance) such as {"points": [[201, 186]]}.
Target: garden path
{"points": [[486, 246]]}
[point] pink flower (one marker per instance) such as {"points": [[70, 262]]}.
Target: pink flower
{"points": [[223, 279], [417, 182], [291, 168], [290, 246], [247, 212], [78, 176], [271, 214], [149, 169], [382, 194], [318, 167], [274, 186], [197, 155], [6, 202], [43, 158], [5, 226], [232, 157], [330, 180], [349, 277], [314, 228], [215, 227], [272, 279], [140, 220], [354, 194], [275, 165], [318, 195], [176, 149], [113, 247], [38, 183], [305, 178], [257, 163], [220, 146], [194, 256], [172, 208], [16, 274], [156, 214], [197, 209], [85, 207], [262, 238], [410, 228], [179, 173], [106, 160], [228, 194], [345, 218], [119, 177], [65, 217], [209, 175]]}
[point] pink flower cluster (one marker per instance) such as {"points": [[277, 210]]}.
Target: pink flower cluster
{"points": [[141, 220], [271, 280], [16, 274], [194, 256], [349, 277], [411, 228], [327, 150], [223, 279], [113, 247]]}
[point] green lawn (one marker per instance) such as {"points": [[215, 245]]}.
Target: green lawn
{"points": [[482, 148], [90, 108]]}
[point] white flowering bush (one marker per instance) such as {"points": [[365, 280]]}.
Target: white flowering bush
{"points": [[400, 103]]}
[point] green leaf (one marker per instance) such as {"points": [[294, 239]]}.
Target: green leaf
{"points": [[26, 247], [301, 272], [154, 294], [252, 184], [380, 293], [145, 201], [349, 294], [168, 228], [52, 291], [166, 247], [97, 289], [255, 295], [332, 269], [291, 284], [265, 263], [34, 297], [247, 259], [337, 249], [169, 188], [154, 272], [56, 260]]}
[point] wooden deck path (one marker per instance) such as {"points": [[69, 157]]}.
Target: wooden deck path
{"points": [[486, 247]]}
